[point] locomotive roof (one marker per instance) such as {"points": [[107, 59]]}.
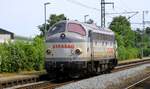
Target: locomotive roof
{"points": [[93, 27]]}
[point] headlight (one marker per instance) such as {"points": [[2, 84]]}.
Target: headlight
{"points": [[62, 36], [48, 51], [78, 51]]}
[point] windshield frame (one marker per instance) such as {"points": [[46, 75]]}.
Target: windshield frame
{"points": [[50, 32], [74, 31]]}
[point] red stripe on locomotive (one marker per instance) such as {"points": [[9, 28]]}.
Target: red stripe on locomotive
{"points": [[63, 46]]}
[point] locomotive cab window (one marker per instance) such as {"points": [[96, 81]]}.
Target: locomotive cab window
{"points": [[60, 27], [76, 28]]}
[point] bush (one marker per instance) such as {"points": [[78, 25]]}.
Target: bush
{"points": [[146, 52], [19, 55], [128, 53]]}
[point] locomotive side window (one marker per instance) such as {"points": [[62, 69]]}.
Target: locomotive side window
{"points": [[72, 27], [57, 28]]}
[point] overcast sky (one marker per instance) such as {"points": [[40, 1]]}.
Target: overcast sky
{"points": [[23, 16]]}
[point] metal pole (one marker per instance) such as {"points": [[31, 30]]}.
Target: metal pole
{"points": [[45, 26], [143, 34], [45, 21], [102, 13], [85, 18]]}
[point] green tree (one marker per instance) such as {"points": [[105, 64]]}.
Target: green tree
{"points": [[146, 40], [125, 38], [147, 31], [143, 40], [51, 21], [122, 27], [138, 37]]}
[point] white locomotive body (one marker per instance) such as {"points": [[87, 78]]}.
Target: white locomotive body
{"points": [[76, 48]]}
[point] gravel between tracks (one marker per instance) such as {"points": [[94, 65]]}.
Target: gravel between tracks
{"points": [[117, 80]]}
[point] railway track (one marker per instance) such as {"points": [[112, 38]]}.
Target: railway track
{"points": [[41, 85], [18, 80], [51, 85], [128, 65], [142, 83]]}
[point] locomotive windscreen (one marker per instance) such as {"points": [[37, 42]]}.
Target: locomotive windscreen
{"points": [[60, 27], [76, 28]]}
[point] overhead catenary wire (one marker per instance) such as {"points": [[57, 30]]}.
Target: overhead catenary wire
{"points": [[124, 12], [123, 3], [83, 5], [96, 9]]}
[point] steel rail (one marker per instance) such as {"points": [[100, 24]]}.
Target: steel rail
{"points": [[130, 65], [144, 79]]}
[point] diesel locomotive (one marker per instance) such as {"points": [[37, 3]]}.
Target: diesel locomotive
{"points": [[74, 48]]}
